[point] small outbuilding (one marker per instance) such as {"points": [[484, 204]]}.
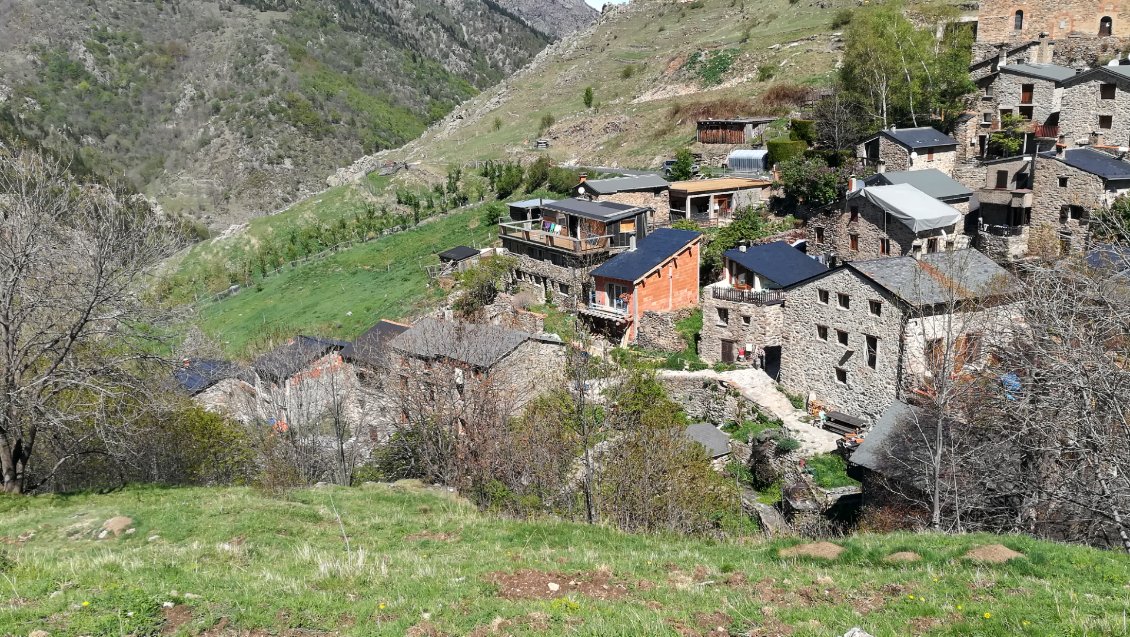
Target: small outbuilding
{"points": [[737, 130]]}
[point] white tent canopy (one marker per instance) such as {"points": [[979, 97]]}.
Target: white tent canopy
{"points": [[914, 208]]}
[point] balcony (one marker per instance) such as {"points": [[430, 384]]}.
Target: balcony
{"points": [[618, 311], [723, 292], [1003, 231], [531, 232]]}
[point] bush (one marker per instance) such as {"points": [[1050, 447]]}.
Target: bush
{"points": [[787, 444], [562, 181], [803, 130], [841, 19], [588, 97], [765, 72], [782, 150], [783, 95], [628, 71], [547, 122]]}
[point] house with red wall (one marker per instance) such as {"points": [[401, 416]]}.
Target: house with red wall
{"points": [[659, 275]]}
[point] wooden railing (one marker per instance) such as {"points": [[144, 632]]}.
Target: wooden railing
{"points": [[531, 232], [765, 297]]}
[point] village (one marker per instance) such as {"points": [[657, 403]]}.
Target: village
{"points": [[844, 324]]}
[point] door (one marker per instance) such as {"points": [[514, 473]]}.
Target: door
{"points": [[617, 296], [773, 361], [729, 351]]}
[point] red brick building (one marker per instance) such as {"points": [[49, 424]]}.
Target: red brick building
{"points": [[659, 275]]}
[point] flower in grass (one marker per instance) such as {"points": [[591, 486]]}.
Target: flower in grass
{"points": [[910, 596], [988, 615], [960, 607], [85, 604], [381, 606]]}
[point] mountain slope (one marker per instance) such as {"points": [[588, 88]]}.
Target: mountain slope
{"points": [[230, 109], [557, 18]]}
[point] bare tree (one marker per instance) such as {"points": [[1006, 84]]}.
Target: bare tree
{"points": [[74, 331]]}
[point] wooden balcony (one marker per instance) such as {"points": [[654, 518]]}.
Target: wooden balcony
{"points": [[531, 232], [736, 295]]}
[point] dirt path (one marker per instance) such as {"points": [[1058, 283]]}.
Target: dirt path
{"points": [[756, 386]]}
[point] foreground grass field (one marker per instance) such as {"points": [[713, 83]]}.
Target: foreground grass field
{"points": [[379, 560]]}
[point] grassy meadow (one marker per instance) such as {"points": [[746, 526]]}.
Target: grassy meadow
{"points": [[389, 560]]}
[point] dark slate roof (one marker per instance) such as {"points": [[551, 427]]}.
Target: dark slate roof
{"points": [[475, 344], [625, 184], [716, 441], [1121, 72], [874, 452], [369, 348], [779, 262], [932, 181], [458, 253], [1050, 72], [922, 137], [598, 210], [196, 376], [286, 360], [1111, 257], [1095, 162], [937, 277], [652, 251]]}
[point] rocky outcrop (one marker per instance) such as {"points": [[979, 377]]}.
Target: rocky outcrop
{"points": [[555, 18]]}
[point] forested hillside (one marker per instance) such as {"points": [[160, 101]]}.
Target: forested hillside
{"points": [[226, 110]]}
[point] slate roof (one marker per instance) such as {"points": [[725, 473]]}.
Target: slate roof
{"points": [[478, 345], [529, 203], [932, 181], [716, 441], [937, 277], [1050, 72], [779, 262], [873, 452], [921, 137], [458, 253], [369, 348], [287, 359], [1111, 257], [652, 251], [625, 184], [1095, 162], [197, 376], [598, 210], [1120, 72]]}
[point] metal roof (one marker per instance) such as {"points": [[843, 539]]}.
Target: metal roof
{"points": [[459, 253], [530, 203], [933, 182], [369, 348], [715, 185], [1095, 162], [652, 251], [475, 344], [1050, 72], [921, 137], [716, 441], [914, 208], [739, 120], [779, 262], [598, 210], [938, 277], [624, 184]]}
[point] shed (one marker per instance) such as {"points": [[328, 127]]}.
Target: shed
{"points": [[737, 130], [716, 441], [457, 254], [747, 160]]}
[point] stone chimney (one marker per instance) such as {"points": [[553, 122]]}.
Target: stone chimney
{"points": [[1044, 50], [1002, 56], [584, 177], [1060, 148]]}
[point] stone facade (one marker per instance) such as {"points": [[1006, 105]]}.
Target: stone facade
{"points": [[895, 157], [1057, 187], [832, 233], [997, 20], [1008, 94], [657, 201], [657, 331], [561, 283], [1087, 109], [759, 325]]}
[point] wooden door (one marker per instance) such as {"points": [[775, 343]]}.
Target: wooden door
{"points": [[729, 351]]}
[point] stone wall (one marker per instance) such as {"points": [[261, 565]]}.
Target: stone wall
{"points": [[896, 157], [657, 331], [563, 284], [1079, 189], [871, 228], [657, 201], [1008, 93], [1083, 105], [759, 325], [1004, 249], [705, 399], [996, 19], [809, 363]]}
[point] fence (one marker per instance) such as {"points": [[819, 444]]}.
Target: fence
{"points": [[765, 297]]}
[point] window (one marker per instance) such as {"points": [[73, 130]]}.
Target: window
{"points": [[822, 295], [854, 214], [1025, 112], [841, 376], [854, 239], [931, 245], [842, 337], [987, 118], [1026, 92], [876, 307], [884, 246], [1106, 25], [950, 245], [723, 316], [843, 300], [1075, 213], [563, 287], [1106, 91], [1105, 121], [746, 321], [819, 235], [1063, 182], [1002, 179], [1018, 21], [872, 351], [822, 332]]}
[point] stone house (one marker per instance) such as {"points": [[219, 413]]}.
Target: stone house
{"points": [[909, 149], [989, 57], [863, 335], [885, 221], [1096, 107], [659, 275], [1005, 202], [220, 386], [933, 182], [1033, 92], [1008, 21], [304, 382], [557, 248], [644, 191], [711, 202], [742, 312], [369, 355], [452, 372], [1071, 185]]}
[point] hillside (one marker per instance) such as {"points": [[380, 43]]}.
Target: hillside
{"points": [[227, 110], [379, 560], [557, 18]]}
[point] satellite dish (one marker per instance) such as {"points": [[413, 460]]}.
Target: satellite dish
{"points": [[913, 155], [580, 190]]}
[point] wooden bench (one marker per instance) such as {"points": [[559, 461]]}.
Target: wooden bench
{"points": [[841, 423]]}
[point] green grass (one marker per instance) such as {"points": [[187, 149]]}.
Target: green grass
{"points": [[830, 471], [427, 564], [345, 293], [750, 427]]}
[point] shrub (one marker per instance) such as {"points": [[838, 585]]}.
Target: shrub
{"points": [[841, 19], [628, 71], [782, 150], [765, 72], [588, 97], [803, 130], [783, 95], [496, 125], [787, 444], [547, 121]]}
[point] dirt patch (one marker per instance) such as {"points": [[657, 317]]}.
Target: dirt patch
{"points": [[716, 622], [223, 628], [992, 553], [903, 556], [493, 628], [820, 550], [116, 525], [424, 629], [433, 536], [736, 579], [534, 584], [175, 617]]}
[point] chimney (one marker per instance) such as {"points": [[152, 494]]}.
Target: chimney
{"points": [[584, 177], [1059, 150], [1002, 57], [881, 166], [742, 247], [854, 184], [1043, 55]]}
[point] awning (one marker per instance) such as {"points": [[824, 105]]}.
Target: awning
{"points": [[914, 208]]}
